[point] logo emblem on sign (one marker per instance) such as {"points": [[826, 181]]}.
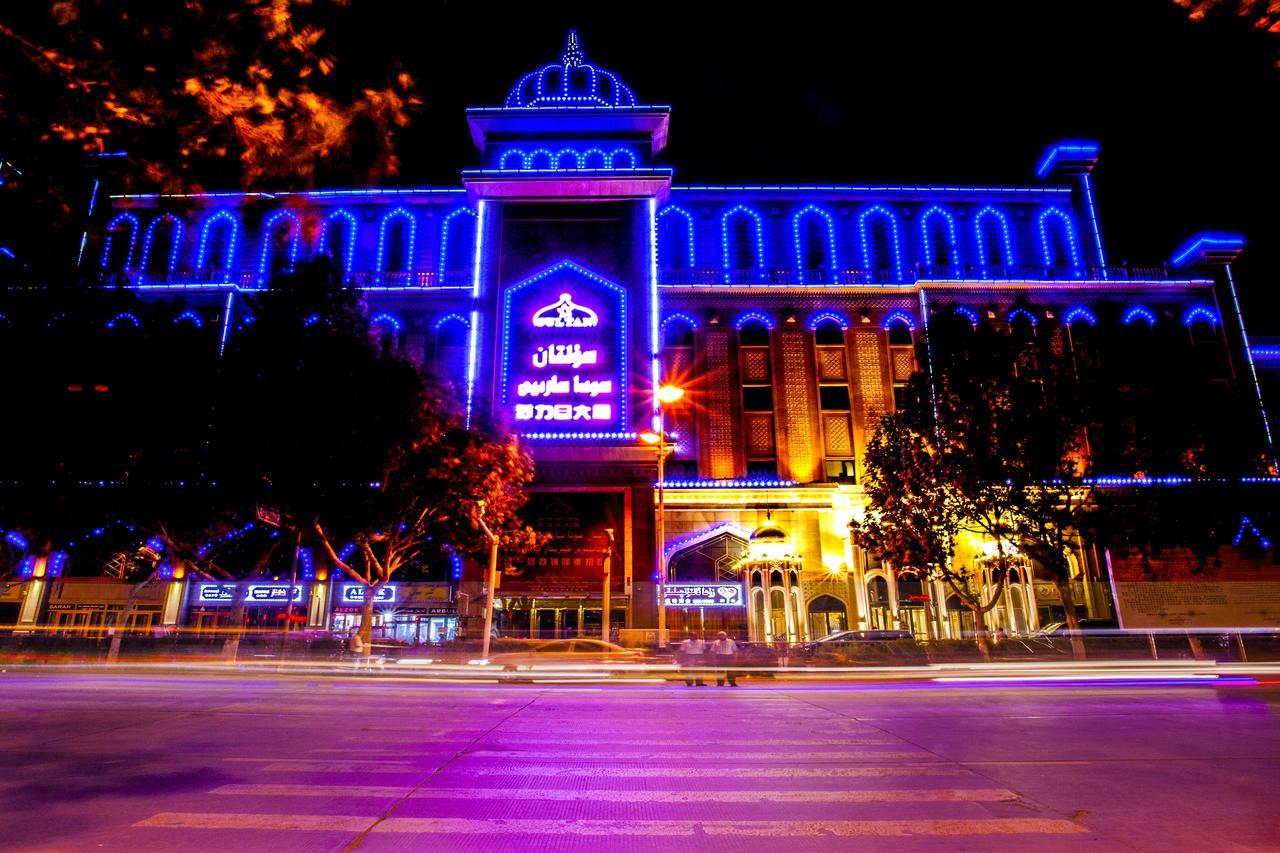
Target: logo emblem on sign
{"points": [[565, 314]]}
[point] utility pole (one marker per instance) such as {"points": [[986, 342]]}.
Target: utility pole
{"points": [[490, 582]]}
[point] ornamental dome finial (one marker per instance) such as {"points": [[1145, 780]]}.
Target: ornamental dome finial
{"points": [[572, 56]]}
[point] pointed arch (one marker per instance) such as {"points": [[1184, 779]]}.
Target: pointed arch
{"points": [[386, 320], [1021, 314], [752, 317], [1199, 314], [223, 226], [1079, 314], [805, 251], [1139, 313], [1062, 248], [123, 217], [189, 316], [346, 256], [991, 233], [680, 324], [124, 317], [899, 318], [147, 262], [736, 255], [671, 255], [938, 242], [870, 260], [457, 242], [409, 227], [293, 240], [969, 314]]}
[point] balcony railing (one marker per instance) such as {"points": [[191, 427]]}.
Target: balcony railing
{"points": [[846, 277], [248, 281]]}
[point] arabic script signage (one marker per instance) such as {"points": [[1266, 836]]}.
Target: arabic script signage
{"points": [[564, 353], [254, 594], [353, 593], [704, 595]]}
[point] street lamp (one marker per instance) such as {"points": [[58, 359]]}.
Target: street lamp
{"points": [[658, 439]]}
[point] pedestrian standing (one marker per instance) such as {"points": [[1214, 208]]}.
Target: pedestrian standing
{"points": [[693, 650], [723, 651]]}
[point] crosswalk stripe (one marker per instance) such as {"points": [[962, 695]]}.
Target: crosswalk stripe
{"points": [[701, 755], [612, 772], [341, 767], [651, 828], [785, 828], [939, 795]]}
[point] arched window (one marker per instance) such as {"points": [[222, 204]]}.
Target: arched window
{"points": [[540, 159], [395, 241], [121, 239], [281, 237], [595, 158], [828, 328], [457, 241], [1022, 323], [675, 238], [622, 158], [386, 327], [189, 318], [512, 158], [1058, 244], [899, 325], [827, 615], [338, 239], [938, 238], [881, 242], [124, 320], [1202, 324], [753, 329], [969, 314], [567, 158], [815, 239], [677, 330], [742, 234], [1139, 316], [160, 244], [991, 232], [217, 251], [452, 334]]}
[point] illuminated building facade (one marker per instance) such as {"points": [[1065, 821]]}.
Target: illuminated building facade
{"points": [[569, 274]]}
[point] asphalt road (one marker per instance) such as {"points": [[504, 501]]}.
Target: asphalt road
{"points": [[115, 761]]}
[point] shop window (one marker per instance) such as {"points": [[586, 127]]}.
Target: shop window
{"points": [[841, 471]]}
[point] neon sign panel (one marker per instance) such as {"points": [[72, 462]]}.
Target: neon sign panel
{"points": [[704, 595], [564, 352]]}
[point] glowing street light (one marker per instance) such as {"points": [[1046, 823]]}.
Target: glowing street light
{"points": [[657, 439]]}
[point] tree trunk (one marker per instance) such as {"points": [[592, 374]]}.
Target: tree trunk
{"points": [[1073, 621], [980, 633], [126, 616], [366, 620], [231, 648]]}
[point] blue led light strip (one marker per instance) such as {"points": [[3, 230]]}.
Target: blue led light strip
{"points": [[384, 227], [349, 250], [688, 220], [1081, 149], [812, 210], [268, 238], [926, 239], [1069, 236], [828, 317], [752, 317], [895, 239], [123, 216], [1006, 242], [444, 235], [474, 338], [899, 317], [1253, 370], [1087, 186], [229, 253], [175, 241], [758, 249]]}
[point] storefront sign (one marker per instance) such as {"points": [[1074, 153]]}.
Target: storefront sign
{"points": [[254, 594], [353, 593], [564, 353], [704, 595], [442, 611]]}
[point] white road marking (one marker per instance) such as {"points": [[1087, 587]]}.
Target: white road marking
{"points": [[701, 755], [650, 828], [369, 791], [720, 772]]}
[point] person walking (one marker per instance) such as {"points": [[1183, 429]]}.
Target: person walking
{"points": [[693, 650], [723, 651]]}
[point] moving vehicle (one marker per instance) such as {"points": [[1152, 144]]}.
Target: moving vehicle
{"points": [[850, 638], [1087, 626], [573, 652]]}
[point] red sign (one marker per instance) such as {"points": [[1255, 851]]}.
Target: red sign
{"points": [[919, 598]]}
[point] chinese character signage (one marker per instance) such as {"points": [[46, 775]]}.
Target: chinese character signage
{"points": [[704, 595], [353, 593], [563, 353]]}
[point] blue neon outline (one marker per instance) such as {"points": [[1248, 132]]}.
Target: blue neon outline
{"points": [[688, 218], [1202, 312], [353, 229], [832, 263], [190, 316], [926, 240], [148, 241], [1006, 255], [724, 238], [1082, 146], [134, 224], [386, 318], [448, 318], [1136, 312], [969, 314], [822, 316], [444, 235], [1069, 232], [752, 316], [1021, 312], [1079, 312], [623, 354], [295, 241], [229, 255], [383, 227], [899, 316], [125, 315], [895, 233]]}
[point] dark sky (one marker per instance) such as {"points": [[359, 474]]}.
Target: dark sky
{"points": [[900, 91]]}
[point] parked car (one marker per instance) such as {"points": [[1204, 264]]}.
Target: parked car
{"points": [[1087, 626], [576, 652], [885, 646]]}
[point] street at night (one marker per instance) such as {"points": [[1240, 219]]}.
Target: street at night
{"points": [[165, 761]]}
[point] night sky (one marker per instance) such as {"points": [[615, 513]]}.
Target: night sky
{"points": [[902, 92]]}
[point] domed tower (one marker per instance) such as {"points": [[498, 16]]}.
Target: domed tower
{"points": [[564, 331]]}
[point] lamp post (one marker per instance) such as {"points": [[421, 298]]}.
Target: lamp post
{"points": [[658, 439], [490, 580]]}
